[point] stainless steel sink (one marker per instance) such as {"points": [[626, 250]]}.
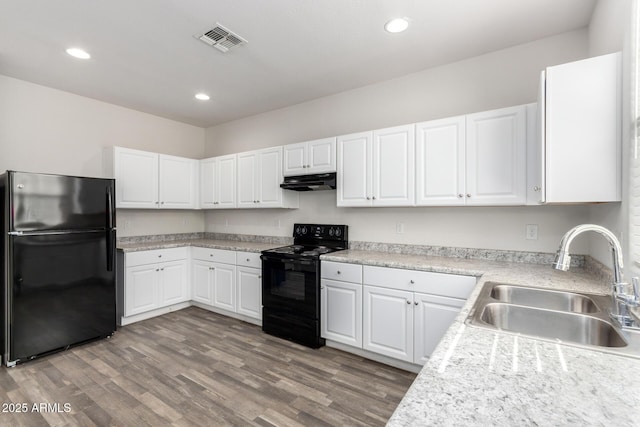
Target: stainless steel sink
{"points": [[570, 318], [551, 300], [552, 324]]}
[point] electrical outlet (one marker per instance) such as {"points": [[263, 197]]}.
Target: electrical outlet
{"points": [[532, 232], [400, 228]]}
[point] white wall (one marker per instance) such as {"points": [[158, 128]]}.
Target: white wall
{"points": [[609, 31], [498, 79], [51, 131]]}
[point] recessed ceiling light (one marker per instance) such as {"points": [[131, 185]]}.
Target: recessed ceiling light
{"points": [[396, 25], [202, 96], [78, 53]]}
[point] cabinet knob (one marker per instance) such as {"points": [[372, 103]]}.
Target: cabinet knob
{"points": [[248, 260], [162, 269], [160, 256], [304, 166], [374, 197], [412, 282], [157, 203], [468, 195], [321, 287], [368, 198], [415, 302], [408, 302], [308, 166], [339, 272], [162, 203], [157, 269], [260, 277], [536, 188], [460, 195], [210, 254]]}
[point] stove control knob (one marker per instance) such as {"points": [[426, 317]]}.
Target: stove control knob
{"points": [[338, 232], [297, 230], [331, 231], [304, 230]]}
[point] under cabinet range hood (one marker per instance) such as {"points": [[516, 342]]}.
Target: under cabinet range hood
{"points": [[315, 182]]}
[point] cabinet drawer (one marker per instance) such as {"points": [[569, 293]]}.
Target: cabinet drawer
{"points": [[215, 255], [448, 285], [341, 271], [133, 259], [248, 259]]}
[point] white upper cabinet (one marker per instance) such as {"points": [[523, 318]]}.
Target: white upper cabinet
{"points": [[477, 159], [258, 180], [178, 182], [218, 182], [440, 162], [377, 168], [310, 157], [147, 180], [496, 157], [579, 153]]}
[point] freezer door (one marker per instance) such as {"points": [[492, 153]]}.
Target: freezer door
{"points": [[61, 292], [40, 202]]}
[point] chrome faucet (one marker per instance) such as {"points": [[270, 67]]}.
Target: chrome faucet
{"points": [[624, 295]]}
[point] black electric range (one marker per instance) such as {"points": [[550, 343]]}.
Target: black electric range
{"points": [[291, 282]]}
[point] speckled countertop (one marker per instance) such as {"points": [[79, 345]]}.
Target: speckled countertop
{"points": [[481, 377], [231, 245]]}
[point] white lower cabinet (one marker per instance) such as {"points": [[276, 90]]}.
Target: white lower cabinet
{"points": [[388, 322], [249, 282], [432, 317], [397, 313], [155, 279], [214, 278]]}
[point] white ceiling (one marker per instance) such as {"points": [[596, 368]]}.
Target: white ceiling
{"points": [[144, 55]]}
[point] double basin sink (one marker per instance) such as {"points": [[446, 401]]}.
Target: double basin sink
{"points": [[568, 317]]}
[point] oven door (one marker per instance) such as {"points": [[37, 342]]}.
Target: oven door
{"points": [[291, 285]]}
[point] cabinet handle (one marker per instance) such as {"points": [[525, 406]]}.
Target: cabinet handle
{"points": [[415, 302], [408, 302]]}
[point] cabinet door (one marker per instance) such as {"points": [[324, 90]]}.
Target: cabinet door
{"points": [[270, 177], [136, 174], [295, 159], [201, 281], [249, 286], [583, 131], [433, 316], [225, 177], [208, 195], [177, 182], [440, 162], [393, 169], [141, 289], [174, 283], [496, 160], [321, 156], [354, 169], [247, 179], [388, 322], [224, 286], [341, 312]]}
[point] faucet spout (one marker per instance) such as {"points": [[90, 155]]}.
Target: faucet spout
{"points": [[563, 259]]}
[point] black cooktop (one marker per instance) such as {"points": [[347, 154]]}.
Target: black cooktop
{"points": [[313, 240]]}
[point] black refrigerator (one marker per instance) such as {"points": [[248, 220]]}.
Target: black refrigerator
{"points": [[58, 269]]}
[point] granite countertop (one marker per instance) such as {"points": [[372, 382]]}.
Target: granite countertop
{"points": [[481, 377], [231, 245]]}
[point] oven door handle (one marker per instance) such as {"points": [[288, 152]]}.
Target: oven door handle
{"points": [[287, 260]]}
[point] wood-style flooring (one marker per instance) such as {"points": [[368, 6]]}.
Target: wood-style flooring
{"points": [[197, 368]]}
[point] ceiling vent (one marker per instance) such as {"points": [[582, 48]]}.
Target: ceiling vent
{"points": [[221, 38]]}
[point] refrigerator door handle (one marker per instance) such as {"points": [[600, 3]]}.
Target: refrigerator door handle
{"points": [[111, 231]]}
